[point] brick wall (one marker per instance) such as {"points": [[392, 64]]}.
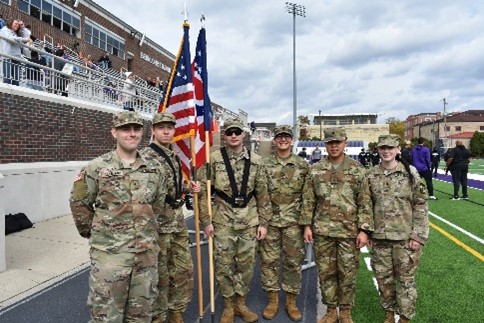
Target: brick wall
{"points": [[35, 130]]}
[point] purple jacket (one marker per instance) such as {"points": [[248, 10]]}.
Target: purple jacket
{"points": [[421, 158]]}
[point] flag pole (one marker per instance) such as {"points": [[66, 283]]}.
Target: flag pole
{"points": [[197, 230], [210, 239]]}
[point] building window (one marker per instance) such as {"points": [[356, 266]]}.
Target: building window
{"points": [[6, 2], [447, 128], [60, 18], [481, 128], [458, 128], [103, 39]]}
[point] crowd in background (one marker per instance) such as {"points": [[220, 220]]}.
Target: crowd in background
{"points": [[42, 79]]}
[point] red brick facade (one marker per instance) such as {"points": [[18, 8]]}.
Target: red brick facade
{"points": [[33, 130]]}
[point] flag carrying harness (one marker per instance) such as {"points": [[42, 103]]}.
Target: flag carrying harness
{"points": [[238, 199], [178, 200]]}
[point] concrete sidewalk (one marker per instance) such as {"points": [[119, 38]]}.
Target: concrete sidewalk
{"points": [[41, 256]]}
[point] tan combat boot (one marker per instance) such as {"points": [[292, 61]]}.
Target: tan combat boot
{"points": [[243, 311], [389, 317], [403, 319], [291, 307], [228, 313], [175, 317], [331, 316], [273, 306], [345, 315]]}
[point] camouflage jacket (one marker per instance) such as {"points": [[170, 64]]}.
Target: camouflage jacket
{"points": [[115, 204], [176, 214], [400, 208], [286, 179], [336, 202], [257, 211]]}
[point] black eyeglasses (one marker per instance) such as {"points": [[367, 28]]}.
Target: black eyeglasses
{"points": [[230, 132]]}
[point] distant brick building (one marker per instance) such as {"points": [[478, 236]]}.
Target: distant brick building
{"points": [[448, 130], [416, 119], [90, 29]]}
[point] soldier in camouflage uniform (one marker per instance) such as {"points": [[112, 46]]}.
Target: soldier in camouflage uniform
{"points": [[114, 201], [338, 219], [287, 175], [175, 266], [242, 211], [400, 210]]}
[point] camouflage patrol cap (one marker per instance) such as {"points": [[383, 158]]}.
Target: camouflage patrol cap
{"points": [[124, 118], [164, 117], [334, 134], [283, 130], [390, 140], [233, 123]]}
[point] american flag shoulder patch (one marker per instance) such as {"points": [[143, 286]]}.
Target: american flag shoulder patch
{"points": [[79, 177]]}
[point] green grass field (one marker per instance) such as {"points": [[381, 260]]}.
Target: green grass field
{"points": [[450, 279]]}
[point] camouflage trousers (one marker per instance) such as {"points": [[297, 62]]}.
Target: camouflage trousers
{"points": [[395, 264], [175, 270], [122, 287], [290, 242], [337, 260], [234, 254]]}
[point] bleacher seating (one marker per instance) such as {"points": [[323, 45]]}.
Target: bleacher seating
{"points": [[94, 83]]}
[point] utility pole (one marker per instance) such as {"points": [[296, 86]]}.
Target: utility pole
{"points": [[445, 122], [320, 127], [294, 10]]}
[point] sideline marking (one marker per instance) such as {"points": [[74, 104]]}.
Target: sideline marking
{"points": [[458, 242], [457, 228], [42, 288]]}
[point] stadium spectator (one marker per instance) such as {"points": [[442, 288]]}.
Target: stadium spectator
{"points": [[400, 210], [406, 152], [129, 91], [421, 161], [15, 32], [458, 164], [31, 35], [34, 73], [2, 22], [150, 81], [303, 153], [105, 61], [316, 155], [59, 81], [252, 126], [375, 157], [362, 157], [435, 161]]}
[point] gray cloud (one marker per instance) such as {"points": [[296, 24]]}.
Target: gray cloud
{"points": [[394, 58]]}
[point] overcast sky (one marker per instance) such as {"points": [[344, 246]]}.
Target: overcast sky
{"points": [[390, 57]]}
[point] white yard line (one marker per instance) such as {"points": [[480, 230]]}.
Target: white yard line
{"points": [[368, 263], [470, 235]]}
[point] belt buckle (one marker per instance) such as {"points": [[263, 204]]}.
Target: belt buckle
{"points": [[239, 201]]}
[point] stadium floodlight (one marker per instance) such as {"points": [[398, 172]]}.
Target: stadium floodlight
{"points": [[294, 10]]}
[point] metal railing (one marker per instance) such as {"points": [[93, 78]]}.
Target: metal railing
{"points": [[70, 77]]}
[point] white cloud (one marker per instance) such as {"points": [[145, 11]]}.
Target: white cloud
{"points": [[396, 58]]}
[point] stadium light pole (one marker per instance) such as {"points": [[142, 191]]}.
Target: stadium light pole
{"points": [[294, 10]]}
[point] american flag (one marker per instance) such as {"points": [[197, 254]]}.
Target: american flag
{"points": [[179, 100], [202, 100], [203, 121]]}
